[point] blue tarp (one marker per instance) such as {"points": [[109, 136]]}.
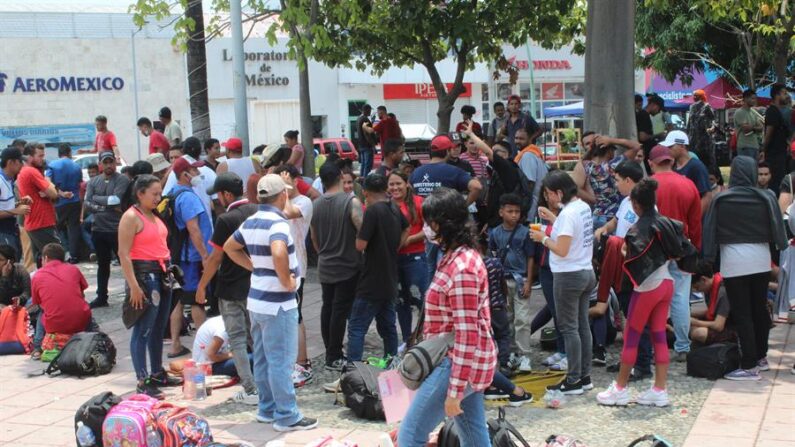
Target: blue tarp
{"points": [[575, 109]]}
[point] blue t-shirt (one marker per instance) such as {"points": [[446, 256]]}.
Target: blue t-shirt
{"points": [[66, 176], [430, 176], [188, 206], [697, 173], [516, 252]]}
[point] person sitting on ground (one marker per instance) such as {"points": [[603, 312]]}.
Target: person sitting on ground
{"points": [[708, 325], [14, 279], [211, 344], [58, 288]]}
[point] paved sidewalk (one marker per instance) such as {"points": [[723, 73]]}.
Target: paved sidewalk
{"points": [[40, 410]]}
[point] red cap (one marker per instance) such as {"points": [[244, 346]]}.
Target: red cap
{"points": [[234, 144], [660, 153], [182, 164], [442, 143]]}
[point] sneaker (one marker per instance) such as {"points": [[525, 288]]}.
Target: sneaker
{"points": [[635, 375], [92, 257], [494, 394], [115, 262], [567, 388], [586, 383], [743, 375], [681, 357], [244, 397], [518, 401], [304, 424], [599, 356], [612, 396], [613, 368], [792, 371], [98, 302], [763, 365], [536, 286], [150, 389], [507, 372], [524, 364], [162, 379], [552, 359], [264, 419], [514, 361], [300, 376], [336, 365], [332, 387], [562, 365], [654, 398]]}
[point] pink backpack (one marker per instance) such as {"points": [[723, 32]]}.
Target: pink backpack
{"points": [[126, 424], [181, 427]]}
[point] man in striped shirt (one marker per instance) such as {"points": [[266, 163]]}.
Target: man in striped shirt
{"points": [[272, 304]]}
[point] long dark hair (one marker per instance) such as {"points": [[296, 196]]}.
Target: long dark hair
{"points": [[409, 199], [561, 181], [142, 183], [644, 194], [448, 209]]}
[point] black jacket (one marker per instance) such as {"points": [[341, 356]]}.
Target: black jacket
{"points": [[653, 241]]}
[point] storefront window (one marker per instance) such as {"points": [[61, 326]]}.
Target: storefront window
{"points": [[574, 91], [484, 92], [504, 91]]}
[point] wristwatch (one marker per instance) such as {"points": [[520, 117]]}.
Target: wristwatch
{"points": [[544, 241]]}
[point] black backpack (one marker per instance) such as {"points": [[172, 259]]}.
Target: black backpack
{"points": [[359, 385], [92, 413], [85, 354], [178, 239], [522, 189], [714, 361], [501, 433]]}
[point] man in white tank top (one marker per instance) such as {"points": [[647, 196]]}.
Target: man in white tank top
{"points": [[235, 162]]}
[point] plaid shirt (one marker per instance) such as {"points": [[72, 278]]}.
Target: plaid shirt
{"points": [[458, 300]]}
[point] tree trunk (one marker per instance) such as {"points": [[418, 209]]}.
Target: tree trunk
{"points": [[781, 50], [445, 98], [609, 69], [305, 110], [445, 111], [197, 74]]}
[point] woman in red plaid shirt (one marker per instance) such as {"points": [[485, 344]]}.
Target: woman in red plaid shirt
{"points": [[457, 301]]}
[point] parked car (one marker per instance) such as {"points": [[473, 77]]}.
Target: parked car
{"points": [[86, 159], [342, 146], [417, 141]]}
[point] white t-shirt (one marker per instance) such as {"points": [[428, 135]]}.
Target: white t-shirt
{"points": [[213, 327], [173, 133], [300, 229], [208, 180], [744, 259], [574, 220], [7, 199], [625, 216]]}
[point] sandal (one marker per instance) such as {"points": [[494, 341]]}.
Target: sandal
{"points": [[36, 354], [184, 351]]}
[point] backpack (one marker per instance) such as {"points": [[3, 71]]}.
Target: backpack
{"points": [[653, 440], [178, 239], [180, 427], [563, 441], [86, 354], [522, 189], [92, 413], [714, 361], [14, 337], [503, 434], [549, 339], [448, 435], [359, 385], [127, 423]]}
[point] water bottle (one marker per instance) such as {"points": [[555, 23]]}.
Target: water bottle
{"points": [[198, 383], [85, 436], [188, 386], [152, 437]]}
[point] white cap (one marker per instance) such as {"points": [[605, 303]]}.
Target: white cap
{"points": [[675, 137]]}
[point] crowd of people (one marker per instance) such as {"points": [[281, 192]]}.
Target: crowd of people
{"points": [[639, 225]]}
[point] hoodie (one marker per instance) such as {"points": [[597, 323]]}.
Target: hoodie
{"points": [[743, 214]]}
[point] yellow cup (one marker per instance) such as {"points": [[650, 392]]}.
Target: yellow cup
{"points": [[535, 226]]}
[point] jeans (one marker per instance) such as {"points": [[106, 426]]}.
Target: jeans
{"points": [[747, 298], [228, 368], [12, 239], [237, 326], [337, 301], [599, 329], [362, 314], [69, 226], [275, 350], [519, 317], [39, 333], [412, 272], [572, 297], [433, 254], [502, 383], [546, 279], [680, 308], [365, 161], [427, 411], [85, 229], [105, 244], [150, 327], [501, 328]]}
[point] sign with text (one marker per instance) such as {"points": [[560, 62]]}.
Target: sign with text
{"points": [[20, 84], [419, 91], [78, 135]]}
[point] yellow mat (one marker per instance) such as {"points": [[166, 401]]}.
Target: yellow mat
{"points": [[535, 383]]}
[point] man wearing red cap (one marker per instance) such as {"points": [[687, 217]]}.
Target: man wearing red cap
{"points": [[700, 125], [235, 162]]}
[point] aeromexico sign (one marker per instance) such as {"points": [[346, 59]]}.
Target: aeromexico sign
{"points": [[20, 84]]}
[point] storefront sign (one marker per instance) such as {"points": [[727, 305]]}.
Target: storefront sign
{"points": [[552, 90], [78, 135], [419, 91], [60, 84], [265, 77], [540, 64]]}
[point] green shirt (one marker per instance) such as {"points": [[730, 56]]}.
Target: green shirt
{"points": [[751, 139]]}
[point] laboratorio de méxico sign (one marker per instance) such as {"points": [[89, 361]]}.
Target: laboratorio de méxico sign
{"points": [[265, 77]]}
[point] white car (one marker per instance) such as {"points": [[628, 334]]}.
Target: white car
{"points": [[87, 159]]}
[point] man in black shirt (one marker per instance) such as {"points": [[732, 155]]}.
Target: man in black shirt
{"points": [[383, 231], [774, 146], [232, 281], [454, 159], [391, 155], [643, 123], [366, 141]]}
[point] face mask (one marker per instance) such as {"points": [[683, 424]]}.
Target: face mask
{"points": [[195, 181]]}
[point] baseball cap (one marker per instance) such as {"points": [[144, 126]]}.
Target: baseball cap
{"points": [[233, 144], [158, 162], [270, 185], [660, 153], [10, 153], [675, 137], [442, 143], [227, 181], [182, 164], [105, 155]]}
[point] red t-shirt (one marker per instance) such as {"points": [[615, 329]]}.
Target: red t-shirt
{"points": [[42, 213], [387, 129], [414, 227], [678, 198], [158, 143], [58, 288], [104, 141]]}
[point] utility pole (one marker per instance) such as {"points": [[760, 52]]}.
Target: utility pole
{"points": [[239, 74]]}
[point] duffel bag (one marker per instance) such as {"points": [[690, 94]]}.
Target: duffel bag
{"points": [[86, 354], [359, 385]]}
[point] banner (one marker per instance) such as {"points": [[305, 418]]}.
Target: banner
{"points": [[78, 135]]}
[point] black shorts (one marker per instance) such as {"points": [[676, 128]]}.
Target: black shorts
{"points": [[300, 297], [185, 298]]}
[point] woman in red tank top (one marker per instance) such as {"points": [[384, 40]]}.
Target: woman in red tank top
{"points": [[144, 254]]}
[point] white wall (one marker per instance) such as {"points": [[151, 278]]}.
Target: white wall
{"points": [[161, 75]]}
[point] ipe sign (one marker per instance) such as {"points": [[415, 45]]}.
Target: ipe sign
{"points": [[419, 91]]}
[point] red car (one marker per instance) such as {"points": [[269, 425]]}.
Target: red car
{"points": [[342, 146]]}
